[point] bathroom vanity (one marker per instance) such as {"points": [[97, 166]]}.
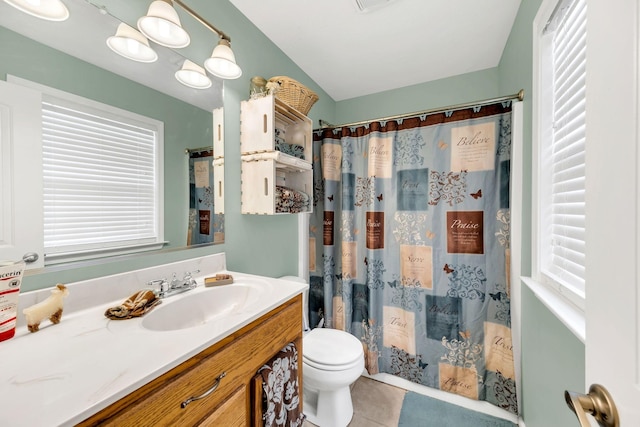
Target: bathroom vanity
{"points": [[89, 370], [236, 400]]}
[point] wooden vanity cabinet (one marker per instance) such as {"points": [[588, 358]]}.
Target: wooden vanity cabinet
{"points": [[235, 402]]}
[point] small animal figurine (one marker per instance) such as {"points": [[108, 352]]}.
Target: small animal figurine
{"points": [[50, 308]]}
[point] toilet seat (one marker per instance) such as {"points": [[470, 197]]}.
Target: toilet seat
{"points": [[331, 349]]}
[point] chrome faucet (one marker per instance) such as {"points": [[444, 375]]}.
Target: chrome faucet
{"points": [[175, 286]]}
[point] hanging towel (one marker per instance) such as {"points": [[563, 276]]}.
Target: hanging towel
{"points": [[136, 305], [280, 385]]}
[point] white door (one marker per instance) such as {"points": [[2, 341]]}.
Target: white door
{"points": [[613, 222], [21, 224]]}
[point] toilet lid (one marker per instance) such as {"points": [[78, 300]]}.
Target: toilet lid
{"points": [[332, 347]]}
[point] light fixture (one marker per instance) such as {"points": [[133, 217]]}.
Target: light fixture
{"points": [[222, 62], [162, 25], [51, 10], [193, 75], [128, 42]]}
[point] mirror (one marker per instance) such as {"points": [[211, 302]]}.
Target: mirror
{"points": [[73, 56]]}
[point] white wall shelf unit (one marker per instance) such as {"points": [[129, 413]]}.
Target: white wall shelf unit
{"points": [[276, 153]]}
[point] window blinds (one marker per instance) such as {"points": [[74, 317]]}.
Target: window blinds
{"points": [[99, 181], [565, 158]]}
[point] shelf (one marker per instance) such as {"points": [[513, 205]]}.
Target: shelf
{"points": [[283, 161], [276, 151], [267, 121], [258, 186]]}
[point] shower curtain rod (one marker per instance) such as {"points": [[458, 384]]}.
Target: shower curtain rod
{"points": [[519, 96]]}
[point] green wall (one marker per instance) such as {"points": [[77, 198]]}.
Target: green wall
{"points": [[553, 359], [441, 93], [257, 244]]}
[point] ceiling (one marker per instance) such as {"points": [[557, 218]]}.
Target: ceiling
{"points": [[348, 52], [392, 44]]}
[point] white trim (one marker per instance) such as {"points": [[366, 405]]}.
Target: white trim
{"points": [[567, 305], [65, 257], [517, 179], [83, 101], [303, 246], [539, 22]]}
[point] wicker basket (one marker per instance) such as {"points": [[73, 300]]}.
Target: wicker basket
{"points": [[294, 94]]}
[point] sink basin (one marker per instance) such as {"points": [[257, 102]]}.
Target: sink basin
{"points": [[200, 306]]}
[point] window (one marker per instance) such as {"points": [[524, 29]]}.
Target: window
{"points": [[559, 147], [102, 179]]}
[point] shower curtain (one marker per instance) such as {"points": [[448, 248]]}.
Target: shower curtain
{"points": [[205, 226], [409, 247]]}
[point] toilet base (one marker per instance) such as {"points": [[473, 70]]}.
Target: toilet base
{"points": [[328, 408]]}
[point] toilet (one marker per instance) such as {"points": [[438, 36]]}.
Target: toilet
{"points": [[332, 360]]}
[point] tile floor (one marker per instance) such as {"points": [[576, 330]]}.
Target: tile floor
{"points": [[375, 404]]}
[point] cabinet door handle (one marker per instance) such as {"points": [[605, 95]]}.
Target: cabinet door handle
{"points": [[206, 393]]}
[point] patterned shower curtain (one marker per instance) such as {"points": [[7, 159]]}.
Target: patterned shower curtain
{"points": [[205, 226], [409, 247]]}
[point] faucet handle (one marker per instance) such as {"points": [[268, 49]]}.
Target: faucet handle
{"points": [[188, 274], [161, 284], [188, 277]]}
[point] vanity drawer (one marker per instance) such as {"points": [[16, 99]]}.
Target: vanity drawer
{"points": [[239, 356], [232, 412]]}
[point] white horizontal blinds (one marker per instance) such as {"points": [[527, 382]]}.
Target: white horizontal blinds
{"points": [[99, 181], [567, 154]]}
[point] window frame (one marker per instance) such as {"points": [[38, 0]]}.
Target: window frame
{"points": [[567, 303], [87, 105]]}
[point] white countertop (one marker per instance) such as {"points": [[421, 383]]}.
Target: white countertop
{"points": [[65, 373]]}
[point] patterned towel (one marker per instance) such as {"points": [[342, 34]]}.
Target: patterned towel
{"points": [[281, 397], [289, 200], [291, 149], [136, 305]]}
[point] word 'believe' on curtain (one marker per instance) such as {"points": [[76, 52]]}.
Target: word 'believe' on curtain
{"points": [[409, 247]]}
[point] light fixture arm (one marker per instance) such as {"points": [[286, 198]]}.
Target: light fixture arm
{"points": [[203, 21]]}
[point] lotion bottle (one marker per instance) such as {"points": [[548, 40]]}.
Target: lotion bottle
{"points": [[10, 280]]}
